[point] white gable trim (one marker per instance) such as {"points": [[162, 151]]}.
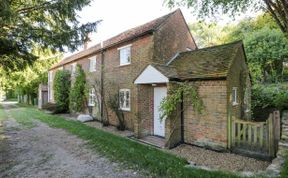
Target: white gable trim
{"points": [[151, 75]]}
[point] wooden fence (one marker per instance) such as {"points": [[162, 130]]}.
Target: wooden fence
{"points": [[257, 137]]}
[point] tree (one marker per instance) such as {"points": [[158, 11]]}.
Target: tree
{"points": [[266, 51], [207, 34], [26, 82], [277, 8], [46, 23], [61, 87], [77, 96]]}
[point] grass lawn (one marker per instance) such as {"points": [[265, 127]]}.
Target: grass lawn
{"points": [[134, 155]]}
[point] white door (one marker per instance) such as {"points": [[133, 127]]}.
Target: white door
{"points": [[159, 126]]}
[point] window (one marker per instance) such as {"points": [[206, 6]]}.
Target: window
{"points": [[125, 55], [124, 99], [50, 85], [92, 64], [73, 69], [234, 96], [92, 97]]}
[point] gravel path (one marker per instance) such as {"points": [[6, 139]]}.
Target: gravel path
{"points": [[47, 152], [217, 160]]}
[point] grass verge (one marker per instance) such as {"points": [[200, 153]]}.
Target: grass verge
{"points": [[138, 156], [284, 171], [3, 114]]}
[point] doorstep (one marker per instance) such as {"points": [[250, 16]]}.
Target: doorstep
{"points": [[152, 140]]}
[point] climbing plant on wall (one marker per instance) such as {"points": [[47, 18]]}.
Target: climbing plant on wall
{"points": [[77, 95], [61, 87], [177, 94]]}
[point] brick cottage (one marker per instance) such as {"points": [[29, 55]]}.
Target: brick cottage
{"points": [[143, 63]]}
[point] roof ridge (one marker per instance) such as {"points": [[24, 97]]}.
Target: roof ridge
{"points": [[211, 47], [166, 16]]}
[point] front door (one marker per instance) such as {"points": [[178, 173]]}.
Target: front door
{"points": [[159, 126]]}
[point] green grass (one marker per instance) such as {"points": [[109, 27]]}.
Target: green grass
{"points": [[22, 118], [138, 156], [3, 114], [284, 171]]}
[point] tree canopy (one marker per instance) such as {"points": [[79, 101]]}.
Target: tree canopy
{"points": [[49, 24], [277, 8]]}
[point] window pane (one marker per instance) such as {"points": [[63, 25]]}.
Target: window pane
{"points": [[121, 99], [127, 98]]}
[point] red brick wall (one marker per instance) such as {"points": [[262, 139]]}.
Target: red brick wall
{"points": [[209, 128], [172, 37], [122, 77]]}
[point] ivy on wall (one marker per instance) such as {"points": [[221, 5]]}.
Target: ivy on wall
{"points": [[61, 87], [78, 92], [177, 94]]}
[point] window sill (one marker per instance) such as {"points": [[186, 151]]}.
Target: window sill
{"points": [[121, 65], [123, 109], [234, 104]]}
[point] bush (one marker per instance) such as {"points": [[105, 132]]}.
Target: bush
{"points": [[50, 107], [77, 97], [113, 104], [61, 87], [267, 97]]}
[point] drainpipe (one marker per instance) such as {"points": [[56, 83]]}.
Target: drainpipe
{"points": [[101, 84], [182, 119]]}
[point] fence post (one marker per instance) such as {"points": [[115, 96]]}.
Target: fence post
{"points": [[276, 119], [271, 135]]}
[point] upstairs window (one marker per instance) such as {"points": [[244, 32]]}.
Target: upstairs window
{"points": [[92, 64], [125, 55], [124, 99], [234, 96], [91, 99]]}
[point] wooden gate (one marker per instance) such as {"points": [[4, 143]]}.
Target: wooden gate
{"points": [[256, 138]]}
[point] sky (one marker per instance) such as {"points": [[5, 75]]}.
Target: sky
{"points": [[120, 15]]}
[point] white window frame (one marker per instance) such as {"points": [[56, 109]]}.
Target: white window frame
{"points": [[123, 54], [73, 69], [92, 97], [234, 96], [124, 107], [50, 85], [92, 64]]}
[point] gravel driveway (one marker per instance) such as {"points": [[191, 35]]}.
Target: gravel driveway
{"points": [[42, 151], [218, 160]]}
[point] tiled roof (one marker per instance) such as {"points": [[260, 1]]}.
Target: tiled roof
{"points": [[122, 37], [212, 62]]}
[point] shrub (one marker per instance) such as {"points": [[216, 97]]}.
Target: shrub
{"points": [[61, 87], [50, 107], [77, 97], [113, 104], [267, 96]]}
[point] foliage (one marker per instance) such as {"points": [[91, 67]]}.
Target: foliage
{"points": [[207, 34], [98, 99], [266, 50], [46, 23], [284, 171], [113, 104], [270, 96], [61, 88], [50, 107], [277, 9], [26, 82], [78, 92], [176, 95], [155, 162]]}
